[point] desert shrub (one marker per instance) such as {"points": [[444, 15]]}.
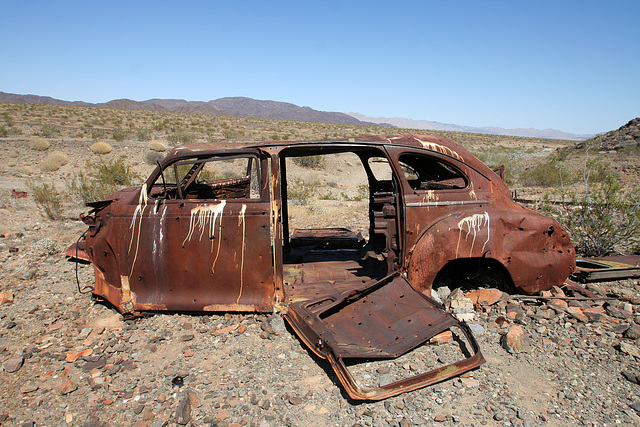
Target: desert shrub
{"points": [[546, 174], [47, 197], [48, 131], [603, 218], [4, 131], [300, 191], [119, 134], [151, 157], [101, 179], [100, 147], [157, 146], [143, 134], [39, 144], [313, 162], [54, 161], [182, 137]]}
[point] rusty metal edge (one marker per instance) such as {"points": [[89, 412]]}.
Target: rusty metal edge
{"points": [[425, 379]]}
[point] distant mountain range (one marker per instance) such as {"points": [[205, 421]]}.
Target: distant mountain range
{"points": [[428, 124], [249, 107]]}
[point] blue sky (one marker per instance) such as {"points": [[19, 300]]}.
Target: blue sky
{"points": [[568, 65]]}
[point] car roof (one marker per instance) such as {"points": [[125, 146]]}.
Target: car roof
{"points": [[433, 143]]}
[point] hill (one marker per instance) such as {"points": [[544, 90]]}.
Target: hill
{"points": [[626, 136], [489, 130]]}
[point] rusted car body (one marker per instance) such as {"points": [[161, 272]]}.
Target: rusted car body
{"points": [[209, 231]]}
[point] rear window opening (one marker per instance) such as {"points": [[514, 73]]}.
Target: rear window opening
{"points": [[340, 220]]}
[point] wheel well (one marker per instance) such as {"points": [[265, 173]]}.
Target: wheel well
{"points": [[474, 273]]}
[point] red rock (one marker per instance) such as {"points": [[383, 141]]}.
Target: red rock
{"points": [[440, 418], [188, 353], [515, 340], [559, 302], [6, 297], [108, 402], [485, 296], [241, 329], [67, 387], [55, 326], [228, 329], [578, 314], [442, 338], [72, 357]]}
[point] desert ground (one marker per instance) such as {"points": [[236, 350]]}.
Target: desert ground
{"points": [[68, 359]]}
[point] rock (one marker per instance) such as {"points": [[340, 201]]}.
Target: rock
{"points": [[617, 312], [633, 333], [29, 387], [98, 364], [183, 411], [442, 338], [456, 294], [485, 296], [186, 337], [189, 353], [6, 297], [593, 313], [440, 418], [295, 400], [631, 349], [515, 340], [631, 377], [578, 314], [443, 292], [462, 309], [13, 364], [558, 303], [67, 387], [469, 382], [477, 330], [72, 357]]}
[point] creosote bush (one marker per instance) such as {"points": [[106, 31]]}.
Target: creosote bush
{"points": [[313, 162], [603, 218], [100, 147], [300, 191], [158, 146], [39, 144], [119, 134], [54, 161], [101, 179], [47, 197], [151, 157]]}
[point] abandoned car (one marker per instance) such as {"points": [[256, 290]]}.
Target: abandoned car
{"points": [[213, 228]]}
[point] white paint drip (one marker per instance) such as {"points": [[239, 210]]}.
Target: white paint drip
{"points": [[205, 218], [135, 225], [473, 224], [440, 149], [472, 192], [241, 223]]}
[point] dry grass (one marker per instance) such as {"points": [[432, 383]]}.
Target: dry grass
{"points": [[39, 144], [101, 147], [158, 146], [54, 161]]}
